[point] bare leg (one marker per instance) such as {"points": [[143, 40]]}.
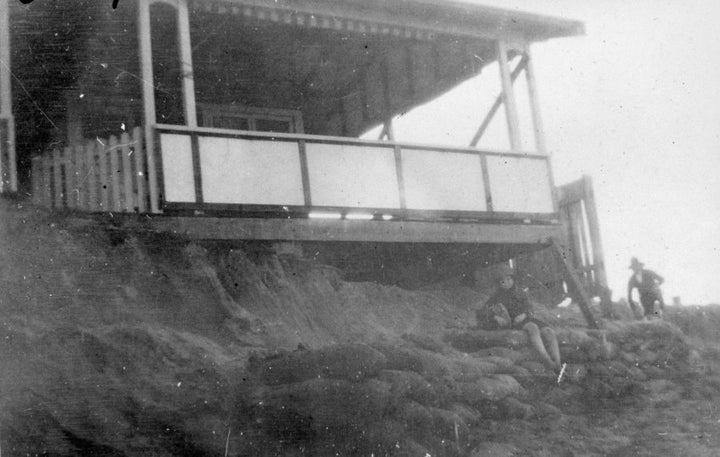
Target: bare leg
{"points": [[537, 343], [551, 343]]}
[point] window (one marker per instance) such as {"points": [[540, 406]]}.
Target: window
{"points": [[249, 118]]}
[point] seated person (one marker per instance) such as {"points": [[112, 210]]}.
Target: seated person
{"points": [[510, 308]]}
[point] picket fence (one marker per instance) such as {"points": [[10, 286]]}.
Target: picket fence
{"points": [[99, 175]]}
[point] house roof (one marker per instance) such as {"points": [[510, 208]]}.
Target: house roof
{"points": [[534, 26], [452, 17]]}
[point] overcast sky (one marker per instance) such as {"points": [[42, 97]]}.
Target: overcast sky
{"points": [[635, 104]]}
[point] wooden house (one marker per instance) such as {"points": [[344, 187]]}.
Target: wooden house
{"points": [[241, 119]]}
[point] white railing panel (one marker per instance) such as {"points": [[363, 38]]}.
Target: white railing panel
{"points": [[250, 171], [437, 180], [352, 176], [520, 185], [177, 168]]}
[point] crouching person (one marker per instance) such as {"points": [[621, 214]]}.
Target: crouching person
{"points": [[510, 308]]}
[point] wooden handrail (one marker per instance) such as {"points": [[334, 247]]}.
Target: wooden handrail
{"points": [[210, 131]]}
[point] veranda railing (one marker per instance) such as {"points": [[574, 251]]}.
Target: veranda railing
{"points": [[97, 175]]}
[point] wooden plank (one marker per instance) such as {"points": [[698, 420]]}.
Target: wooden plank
{"points": [[47, 161], [305, 173], [8, 159], [72, 178], [383, 131], [112, 150], [433, 215], [495, 107], [594, 229], [486, 182], [399, 175], [5, 88], [236, 228], [57, 179], [579, 250], [159, 173], [553, 187], [92, 182], [149, 113], [326, 139], [197, 172], [575, 286], [511, 112], [36, 179], [4, 158], [534, 103], [80, 176], [186, 64], [12, 155], [104, 178], [140, 174], [128, 196], [71, 175]]}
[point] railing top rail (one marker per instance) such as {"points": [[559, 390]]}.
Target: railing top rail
{"points": [[340, 140]]}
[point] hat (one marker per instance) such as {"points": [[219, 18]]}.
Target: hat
{"points": [[503, 270], [635, 264]]}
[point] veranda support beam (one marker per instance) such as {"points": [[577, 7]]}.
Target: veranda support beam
{"points": [[496, 105], [534, 103], [5, 100], [8, 176], [594, 229], [148, 90], [511, 111], [186, 64], [236, 228]]}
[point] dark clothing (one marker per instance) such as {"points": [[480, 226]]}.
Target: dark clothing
{"points": [[516, 302], [648, 289]]}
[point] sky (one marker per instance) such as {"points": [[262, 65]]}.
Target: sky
{"points": [[634, 103]]}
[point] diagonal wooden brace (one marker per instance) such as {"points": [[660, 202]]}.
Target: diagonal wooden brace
{"points": [[575, 286]]}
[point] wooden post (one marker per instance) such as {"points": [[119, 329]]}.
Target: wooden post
{"points": [[575, 286], [495, 106], [580, 250], [92, 181], [400, 176], [125, 151], [12, 154], [140, 177], [57, 179], [8, 148], [534, 104], [36, 177], [47, 180], [5, 94], [150, 117], [511, 111], [186, 65], [594, 229], [112, 150], [70, 178], [81, 176], [382, 132], [103, 180]]}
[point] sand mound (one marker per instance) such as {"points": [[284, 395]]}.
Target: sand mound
{"points": [[116, 343]]}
